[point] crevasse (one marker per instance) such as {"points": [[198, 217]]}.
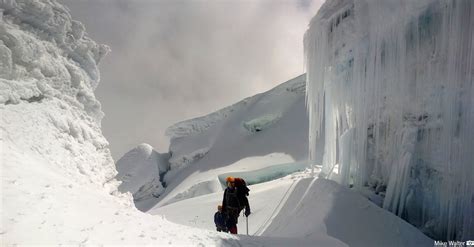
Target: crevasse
{"points": [[390, 90]]}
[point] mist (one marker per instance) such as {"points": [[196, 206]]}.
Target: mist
{"points": [[175, 60]]}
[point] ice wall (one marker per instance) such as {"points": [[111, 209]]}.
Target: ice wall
{"points": [[48, 73], [390, 88]]}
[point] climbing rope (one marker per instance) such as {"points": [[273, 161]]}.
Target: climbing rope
{"points": [[258, 232]]}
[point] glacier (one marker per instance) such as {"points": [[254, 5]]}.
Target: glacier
{"points": [[390, 90]]}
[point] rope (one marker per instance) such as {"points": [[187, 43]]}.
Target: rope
{"points": [[274, 210]]}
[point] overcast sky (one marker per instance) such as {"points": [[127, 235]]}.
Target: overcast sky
{"points": [[174, 60]]}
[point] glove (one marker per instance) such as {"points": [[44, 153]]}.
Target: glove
{"points": [[247, 212]]}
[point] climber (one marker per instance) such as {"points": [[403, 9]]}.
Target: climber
{"points": [[234, 201], [220, 219]]}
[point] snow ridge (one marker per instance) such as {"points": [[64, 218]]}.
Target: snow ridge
{"points": [[200, 124]]}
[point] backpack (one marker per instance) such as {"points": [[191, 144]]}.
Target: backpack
{"points": [[241, 186]]}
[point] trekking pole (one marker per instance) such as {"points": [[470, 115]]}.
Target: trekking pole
{"points": [[247, 220]]}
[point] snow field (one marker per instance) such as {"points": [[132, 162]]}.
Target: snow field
{"points": [[265, 199], [42, 207], [323, 207]]}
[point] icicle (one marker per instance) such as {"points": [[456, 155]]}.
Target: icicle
{"points": [[390, 92]]}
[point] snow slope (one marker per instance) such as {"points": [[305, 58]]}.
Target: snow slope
{"points": [[41, 206], [390, 86], [342, 214], [265, 130], [266, 199], [306, 213]]}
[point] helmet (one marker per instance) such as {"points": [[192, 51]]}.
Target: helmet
{"points": [[230, 179]]}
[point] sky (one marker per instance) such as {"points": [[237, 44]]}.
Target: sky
{"points": [[173, 60]]}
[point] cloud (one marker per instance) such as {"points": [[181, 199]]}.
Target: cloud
{"points": [[173, 60]]}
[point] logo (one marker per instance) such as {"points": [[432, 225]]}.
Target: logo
{"points": [[470, 243]]}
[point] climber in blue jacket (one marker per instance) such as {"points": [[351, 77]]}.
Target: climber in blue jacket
{"points": [[220, 219]]}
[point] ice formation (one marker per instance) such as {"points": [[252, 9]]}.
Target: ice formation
{"points": [[266, 174], [390, 89], [48, 75], [260, 123], [141, 171]]}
